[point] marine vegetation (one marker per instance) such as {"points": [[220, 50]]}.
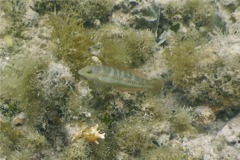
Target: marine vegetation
{"points": [[92, 10], [124, 47], [77, 45], [15, 11], [72, 41], [78, 150], [181, 57], [173, 152], [20, 142], [89, 11], [199, 73], [198, 13], [18, 83]]}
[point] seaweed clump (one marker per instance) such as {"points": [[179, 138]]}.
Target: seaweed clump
{"points": [[92, 10], [78, 150], [77, 45], [24, 143], [18, 84], [89, 11], [132, 136], [181, 58], [203, 73], [124, 47], [167, 152], [181, 122], [14, 11], [72, 41], [150, 130]]}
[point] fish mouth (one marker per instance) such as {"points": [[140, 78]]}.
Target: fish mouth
{"points": [[85, 71]]}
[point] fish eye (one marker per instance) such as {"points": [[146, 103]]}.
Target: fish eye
{"points": [[89, 71]]}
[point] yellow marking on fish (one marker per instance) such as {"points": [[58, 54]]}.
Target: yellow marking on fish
{"points": [[117, 78]]}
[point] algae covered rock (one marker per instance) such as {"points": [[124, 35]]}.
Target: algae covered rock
{"points": [[231, 132], [55, 84], [125, 47], [204, 72], [209, 147], [220, 82], [137, 14]]}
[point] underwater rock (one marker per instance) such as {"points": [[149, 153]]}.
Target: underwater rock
{"points": [[31, 18], [146, 15], [230, 4], [229, 11], [230, 153], [208, 147], [236, 15], [160, 133], [215, 78], [122, 155], [139, 14], [231, 131]]}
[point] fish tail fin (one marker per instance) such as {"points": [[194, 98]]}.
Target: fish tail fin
{"points": [[157, 85]]}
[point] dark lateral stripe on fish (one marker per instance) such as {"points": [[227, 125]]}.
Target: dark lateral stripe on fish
{"points": [[115, 77]]}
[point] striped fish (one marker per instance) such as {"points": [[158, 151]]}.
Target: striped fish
{"points": [[119, 79]]}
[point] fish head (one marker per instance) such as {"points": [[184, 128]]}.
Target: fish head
{"points": [[88, 72]]}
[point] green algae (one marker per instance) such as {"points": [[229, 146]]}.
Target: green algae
{"points": [[124, 47], [167, 152], [197, 12], [182, 123], [199, 74], [23, 142], [121, 47], [181, 58], [77, 151], [87, 10], [18, 83], [72, 41]]}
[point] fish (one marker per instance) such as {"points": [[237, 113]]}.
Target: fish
{"points": [[118, 78]]}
